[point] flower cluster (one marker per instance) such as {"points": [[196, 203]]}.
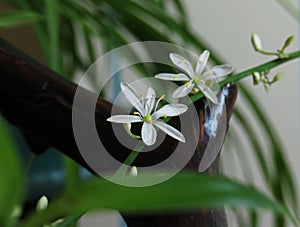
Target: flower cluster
{"points": [[201, 79], [198, 79]]}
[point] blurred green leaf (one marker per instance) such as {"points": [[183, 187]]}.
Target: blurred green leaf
{"points": [[70, 220], [184, 191], [10, 176], [14, 18], [51, 8]]}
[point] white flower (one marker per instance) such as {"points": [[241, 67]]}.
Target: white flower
{"points": [[148, 114], [198, 79]]}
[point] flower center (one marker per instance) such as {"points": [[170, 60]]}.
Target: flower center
{"points": [[196, 79], [147, 118]]}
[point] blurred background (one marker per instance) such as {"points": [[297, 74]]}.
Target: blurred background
{"points": [[226, 26]]}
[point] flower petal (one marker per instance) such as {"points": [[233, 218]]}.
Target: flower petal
{"points": [[148, 134], [208, 93], [172, 76], [183, 90], [125, 119], [221, 70], [150, 100], [202, 61], [132, 96], [169, 110], [182, 63], [169, 130], [150, 92]]}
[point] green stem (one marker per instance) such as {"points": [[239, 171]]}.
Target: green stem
{"points": [[129, 160]]}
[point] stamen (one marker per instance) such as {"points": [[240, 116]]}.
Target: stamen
{"points": [[209, 73], [175, 76], [141, 95], [161, 98], [137, 113], [188, 84], [165, 115], [183, 61], [200, 61], [202, 82]]}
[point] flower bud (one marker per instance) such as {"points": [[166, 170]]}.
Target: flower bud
{"points": [[42, 204], [288, 41], [256, 42], [277, 77], [133, 171], [256, 78]]}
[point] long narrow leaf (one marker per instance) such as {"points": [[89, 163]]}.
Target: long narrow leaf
{"points": [[14, 18], [189, 192]]}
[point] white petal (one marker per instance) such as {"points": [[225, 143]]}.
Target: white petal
{"points": [[149, 105], [125, 119], [150, 100], [183, 90], [132, 96], [182, 63], [208, 93], [148, 134], [221, 70], [172, 77], [150, 92], [169, 130], [170, 110], [202, 61]]}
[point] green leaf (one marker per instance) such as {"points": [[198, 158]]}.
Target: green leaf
{"points": [[70, 220], [14, 18], [51, 7], [184, 191], [10, 176]]}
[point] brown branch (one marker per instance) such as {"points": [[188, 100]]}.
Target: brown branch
{"points": [[39, 102]]}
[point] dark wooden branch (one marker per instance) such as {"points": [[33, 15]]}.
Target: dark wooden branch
{"points": [[39, 102]]}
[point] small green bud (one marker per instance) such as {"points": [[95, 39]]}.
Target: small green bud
{"points": [[133, 171], [127, 127], [256, 42], [266, 86], [277, 77], [288, 42], [256, 78], [42, 204]]}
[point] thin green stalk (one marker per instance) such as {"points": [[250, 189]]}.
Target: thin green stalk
{"points": [[260, 68], [51, 7], [129, 160]]}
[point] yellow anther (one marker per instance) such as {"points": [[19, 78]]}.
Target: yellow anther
{"points": [[202, 82], [200, 62], [165, 115], [163, 96], [188, 84], [183, 61], [210, 73], [141, 95], [175, 76], [136, 113]]}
